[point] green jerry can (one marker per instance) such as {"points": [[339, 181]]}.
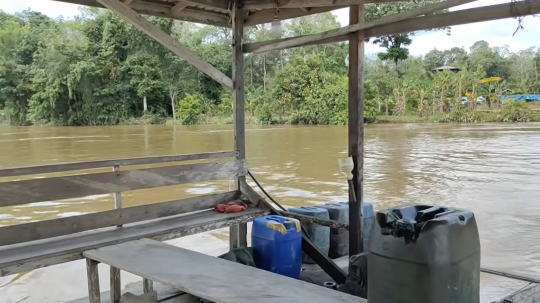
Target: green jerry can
{"points": [[424, 254]]}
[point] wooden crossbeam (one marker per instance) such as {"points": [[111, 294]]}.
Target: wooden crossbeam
{"points": [[265, 4], [268, 15], [481, 14], [157, 34], [305, 40], [468, 16]]}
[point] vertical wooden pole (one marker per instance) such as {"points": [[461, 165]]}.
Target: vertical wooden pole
{"points": [[148, 286], [356, 128], [117, 195], [238, 233], [94, 294], [115, 285]]}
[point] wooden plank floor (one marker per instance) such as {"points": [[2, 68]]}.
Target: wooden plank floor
{"points": [[218, 280]]}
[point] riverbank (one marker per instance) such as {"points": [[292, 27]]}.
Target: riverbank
{"points": [[515, 113], [485, 117], [480, 117]]}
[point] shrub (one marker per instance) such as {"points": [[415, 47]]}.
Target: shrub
{"points": [[189, 110], [264, 114], [515, 112]]}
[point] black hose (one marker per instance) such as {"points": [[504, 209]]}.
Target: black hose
{"points": [[275, 202], [264, 191]]}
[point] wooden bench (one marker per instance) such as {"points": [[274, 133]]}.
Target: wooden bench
{"points": [[205, 276], [28, 246]]}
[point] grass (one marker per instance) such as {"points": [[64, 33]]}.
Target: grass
{"points": [[400, 119]]}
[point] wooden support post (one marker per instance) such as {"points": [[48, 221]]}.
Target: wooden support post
{"points": [[116, 288], [117, 195], [356, 128], [238, 233], [94, 294], [148, 286]]}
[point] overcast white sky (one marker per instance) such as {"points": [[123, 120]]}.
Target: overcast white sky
{"points": [[495, 32]]}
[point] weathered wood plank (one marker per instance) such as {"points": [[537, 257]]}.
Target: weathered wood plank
{"points": [[58, 188], [94, 294], [310, 39], [213, 275], [116, 287], [52, 168], [28, 256], [157, 34], [75, 224]]}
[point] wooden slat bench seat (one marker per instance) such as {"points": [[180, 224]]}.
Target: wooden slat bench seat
{"points": [[36, 254], [205, 276]]}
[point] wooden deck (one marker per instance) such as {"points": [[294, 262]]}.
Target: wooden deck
{"points": [[209, 277]]}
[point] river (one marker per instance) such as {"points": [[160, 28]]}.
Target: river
{"points": [[491, 169]]}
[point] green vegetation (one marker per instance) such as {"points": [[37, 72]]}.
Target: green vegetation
{"points": [[98, 70]]}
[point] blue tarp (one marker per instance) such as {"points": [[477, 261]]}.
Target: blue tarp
{"points": [[521, 97]]}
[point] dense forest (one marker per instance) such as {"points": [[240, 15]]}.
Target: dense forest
{"points": [[96, 69]]}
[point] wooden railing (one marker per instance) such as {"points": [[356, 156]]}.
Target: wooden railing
{"points": [[14, 193]]}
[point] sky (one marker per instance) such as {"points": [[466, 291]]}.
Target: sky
{"points": [[497, 33]]}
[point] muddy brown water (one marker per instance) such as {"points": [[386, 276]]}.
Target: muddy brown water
{"points": [[491, 169]]}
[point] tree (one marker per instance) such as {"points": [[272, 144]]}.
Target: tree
{"points": [[396, 45]]}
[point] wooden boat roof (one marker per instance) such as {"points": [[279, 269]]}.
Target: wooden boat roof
{"points": [[218, 12]]}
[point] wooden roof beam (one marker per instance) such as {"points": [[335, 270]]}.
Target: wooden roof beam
{"points": [[164, 10], [266, 4], [266, 16], [304, 40], [473, 15], [157, 34]]}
